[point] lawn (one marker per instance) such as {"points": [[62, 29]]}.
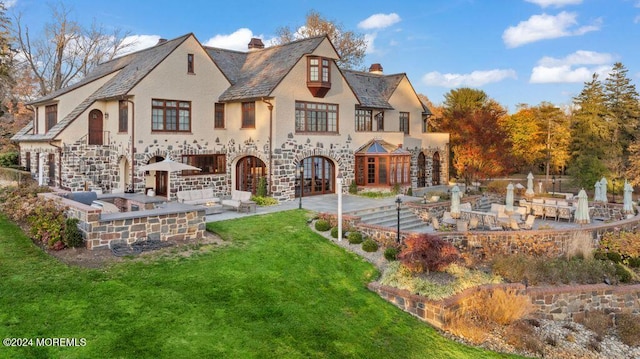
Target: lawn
{"points": [[278, 290]]}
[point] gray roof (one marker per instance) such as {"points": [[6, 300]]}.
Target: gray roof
{"points": [[133, 68], [257, 73], [373, 90]]}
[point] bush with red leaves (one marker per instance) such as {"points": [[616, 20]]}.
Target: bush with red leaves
{"points": [[425, 252]]}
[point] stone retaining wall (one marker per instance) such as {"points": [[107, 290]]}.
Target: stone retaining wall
{"points": [[568, 303], [99, 232]]}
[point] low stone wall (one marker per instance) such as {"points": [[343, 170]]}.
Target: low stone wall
{"points": [[568, 303], [100, 231]]}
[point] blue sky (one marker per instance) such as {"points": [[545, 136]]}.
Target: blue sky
{"points": [[517, 51]]}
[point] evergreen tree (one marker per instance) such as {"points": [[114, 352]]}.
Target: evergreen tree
{"points": [[590, 134], [623, 115]]}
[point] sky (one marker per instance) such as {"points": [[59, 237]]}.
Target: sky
{"points": [[516, 51]]}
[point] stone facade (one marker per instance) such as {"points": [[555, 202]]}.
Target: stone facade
{"points": [[100, 231]]}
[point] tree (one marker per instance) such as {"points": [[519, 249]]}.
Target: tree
{"points": [[590, 135], [623, 106], [480, 145], [66, 51], [526, 136], [425, 252], [350, 45], [6, 58]]}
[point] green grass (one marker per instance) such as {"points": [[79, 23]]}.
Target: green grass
{"points": [[278, 290]]}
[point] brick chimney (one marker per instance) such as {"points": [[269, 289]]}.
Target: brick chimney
{"points": [[376, 69], [161, 41], [255, 44]]}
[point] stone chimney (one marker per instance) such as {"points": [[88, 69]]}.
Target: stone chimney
{"points": [[376, 69], [161, 41], [255, 44]]}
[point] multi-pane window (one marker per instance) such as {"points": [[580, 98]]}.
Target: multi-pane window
{"points": [[380, 120], [404, 122], [51, 116], [316, 117], [400, 167], [248, 115], [364, 120], [123, 116], [319, 69], [190, 64], [209, 164], [218, 121], [170, 115]]}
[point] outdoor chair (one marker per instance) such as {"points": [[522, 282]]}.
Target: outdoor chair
{"points": [[551, 212], [528, 223], [513, 225], [473, 223], [537, 209]]}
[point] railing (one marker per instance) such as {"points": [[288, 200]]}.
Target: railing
{"points": [[106, 139]]}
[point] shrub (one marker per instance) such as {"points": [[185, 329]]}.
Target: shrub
{"points": [[355, 237], [353, 187], [409, 191], [614, 257], [623, 274], [261, 189], [369, 245], [424, 252], [334, 232], [322, 225], [264, 201], [597, 321], [9, 159], [72, 234], [634, 262], [628, 328], [391, 253], [499, 306], [47, 223], [522, 336]]}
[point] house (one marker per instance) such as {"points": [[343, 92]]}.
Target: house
{"points": [[284, 114]]}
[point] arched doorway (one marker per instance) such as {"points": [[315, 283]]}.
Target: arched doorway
{"points": [[249, 170], [318, 174], [435, 173], [422, 170], [95, 127], [124, 174], [157, 179]]}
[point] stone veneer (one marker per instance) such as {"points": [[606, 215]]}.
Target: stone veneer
{"points": [[100, 230], [569, 303]]}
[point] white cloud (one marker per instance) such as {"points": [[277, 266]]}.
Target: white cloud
{"points": [[10, 3], [473, 79], [379, 21], [237, 40], [540, 27], [369, 39], [135, 43], [576, 67], [555, 3]]}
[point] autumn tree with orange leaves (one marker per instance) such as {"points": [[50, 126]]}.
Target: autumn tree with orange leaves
{"points": [[480, 146]]}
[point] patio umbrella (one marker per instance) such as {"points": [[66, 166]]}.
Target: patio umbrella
{"points": [[597, 192], [529, 192], [603, 190], [582, 211], [509, 201], [627, 206], [455, 202], [168, 165]]}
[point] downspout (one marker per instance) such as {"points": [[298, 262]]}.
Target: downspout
{"points": [[133, 146], [270, 107]]}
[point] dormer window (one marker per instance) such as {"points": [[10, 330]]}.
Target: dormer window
{"points": [[318, 75]]}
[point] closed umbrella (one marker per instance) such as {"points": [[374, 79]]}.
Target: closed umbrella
{"points": [[168, 165], [597, 192], [603, 190], [529, 192], [455, 202], [509, 201], [582, 212], [627, 206]]}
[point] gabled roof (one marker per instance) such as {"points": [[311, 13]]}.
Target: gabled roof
{"points": [[257, 73], [132, 69], [373, 90]]}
